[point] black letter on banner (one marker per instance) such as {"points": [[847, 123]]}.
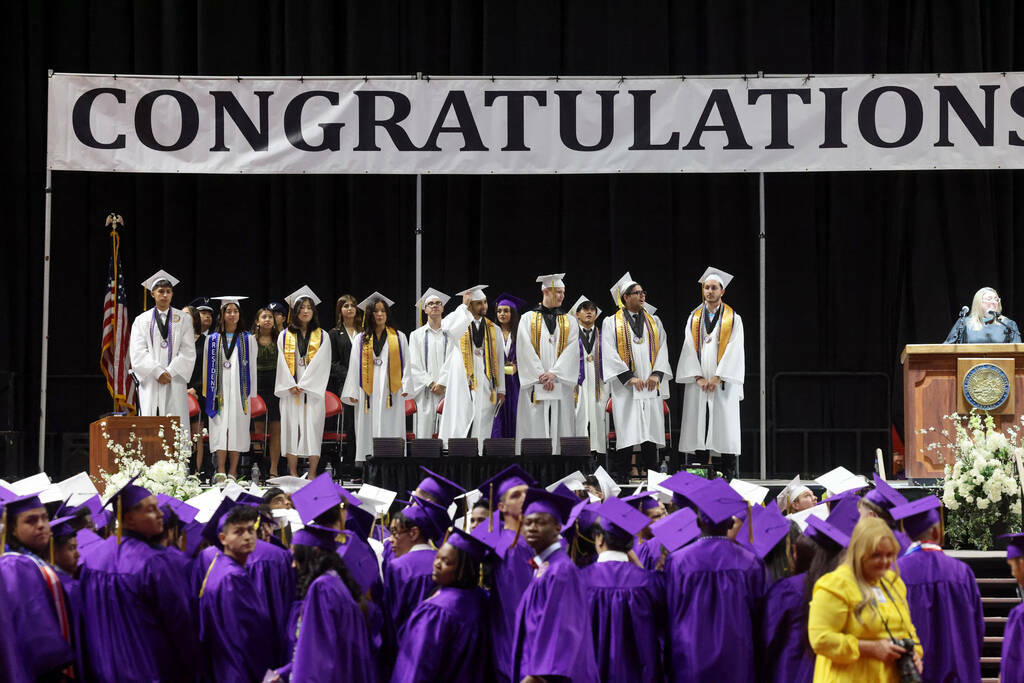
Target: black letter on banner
{"points": [[780, 112], [144, 120], [1017, 105], [466, 127], [225, 101], [833, 118], [80, 118], [868, 110], [730, 122], [567, 120], [516, 139], [293, 123], [368, 122], [642, 124], [983, 133]]}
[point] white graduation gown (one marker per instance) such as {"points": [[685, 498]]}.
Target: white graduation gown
{"points": [[381, 421], [553, 415], [469, 413], [428, 349], [723, 404], [590, 410], [302, 416], [229, 428], [638, 418], [149, 361]]}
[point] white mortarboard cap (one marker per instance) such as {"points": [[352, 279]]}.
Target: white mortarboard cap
{"points": [[303, 292], [820, 511], [573, 482], [624, 282], [553, 280], [51, 494], [752, 493], [579, 301], [286, 516], [713, 273], [471, 498], [655, 478], [33, 484], [791, 492], [232, 490], [77, 489], [256, 490], [225, 300], [159, 276], [608, 486], [841, 480], [288, 484], [373, 298], [476, 292], [432, 293], [375, 499], [207, 503], [651, 310]]}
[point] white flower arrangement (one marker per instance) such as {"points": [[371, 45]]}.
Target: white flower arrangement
{"points": [[168, 476], [981, 489]]}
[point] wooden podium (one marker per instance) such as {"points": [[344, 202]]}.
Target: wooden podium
{"points": [[118, 429], [933, 387]]}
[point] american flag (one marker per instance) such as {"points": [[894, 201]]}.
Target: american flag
{"points": [[114, 358]]}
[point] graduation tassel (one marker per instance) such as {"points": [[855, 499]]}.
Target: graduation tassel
{"points": [[120, 519], [446, 535], [480, 581], [490, 511], [519, 525], [942, 525], [750, 518], [3, 528]]}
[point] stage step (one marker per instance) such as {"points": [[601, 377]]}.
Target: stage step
{"points": [[993, 639], [995, 620], [1000, 601], [1001, 582]]}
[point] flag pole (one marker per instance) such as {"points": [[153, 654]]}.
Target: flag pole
{"points": [[113, 220]]}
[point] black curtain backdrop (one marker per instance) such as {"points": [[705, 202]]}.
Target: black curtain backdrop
{"points": [[859, 264]]}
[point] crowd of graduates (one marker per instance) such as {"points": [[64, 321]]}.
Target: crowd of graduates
{"points": [[686, 581]]}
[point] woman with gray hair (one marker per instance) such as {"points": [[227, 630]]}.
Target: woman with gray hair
{"points": [[985, 323]]}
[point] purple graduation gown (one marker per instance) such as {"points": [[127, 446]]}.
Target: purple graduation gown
{"points": [[505, 417], [649, 554], [273, 577], [942, 591], [786, 655], [137, 617], [12, 611], [509, 579], [1013, 647], [333, 642], [234, 626], [408, 583], [627, 610], [714, 589], [451, 621], [553, 635]]}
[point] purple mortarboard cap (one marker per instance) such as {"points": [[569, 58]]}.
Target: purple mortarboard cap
{"points": [[770, 527], [316, 498], [682, 484], [643, 501], [824, 531], [583, 514], [19, 504], [93, 504], [506, 299], [508, 478], [182, 510], [554, 504], [677, 529], [918, 516], [361, 563], [566, 492], [845, 514], [66, 526], [193, 532], [621, 517], [1016, 545], [316, 536], [490, 533], [87, 538], [476, 548], [129, 495], [248, 499], [351, 499], [102, 519], [717, 501], [442, 490], [884, 495], [432, 519], [6, 494], [211, 529], [834, 500], [359, 522]]}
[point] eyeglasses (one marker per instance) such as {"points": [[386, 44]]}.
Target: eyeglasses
{"points": [[638, 292], [990, 298], [433, 303]]}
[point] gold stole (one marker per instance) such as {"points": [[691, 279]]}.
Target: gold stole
{"points": [[624, 334], [394, 365], [490, 355], [536, 322], [723, 335], [291, 342]]}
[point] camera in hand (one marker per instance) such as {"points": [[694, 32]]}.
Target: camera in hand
{"points": [[905, 663]]}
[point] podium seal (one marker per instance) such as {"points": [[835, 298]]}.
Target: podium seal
{"points": [[986, 386]]}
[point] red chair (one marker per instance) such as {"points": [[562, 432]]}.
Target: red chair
{"points": [[258, 409], [193, 407], [668, 423], [333, 408], [410, 410], [609, 446]]}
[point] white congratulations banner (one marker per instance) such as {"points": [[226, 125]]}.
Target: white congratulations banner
{"points": [[535, 125]]}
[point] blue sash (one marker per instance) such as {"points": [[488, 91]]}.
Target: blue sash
{"points": [[213, 367]]}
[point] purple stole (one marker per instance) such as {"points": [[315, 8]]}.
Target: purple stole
{"points": [[212, 389]]}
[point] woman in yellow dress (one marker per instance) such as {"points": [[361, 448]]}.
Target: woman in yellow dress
{"points": [[858, 609]]}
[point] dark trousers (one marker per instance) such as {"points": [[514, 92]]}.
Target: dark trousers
{"points": [[726, 464], [647, 458]]}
